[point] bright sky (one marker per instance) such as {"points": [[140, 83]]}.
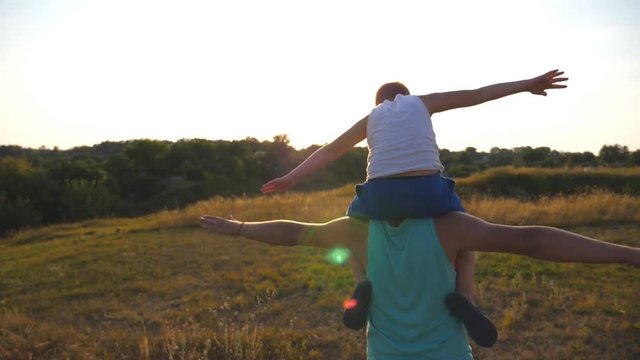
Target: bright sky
{"points": [[82, 72]]}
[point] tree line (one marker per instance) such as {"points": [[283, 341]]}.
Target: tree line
{"points": [[132, 178]]}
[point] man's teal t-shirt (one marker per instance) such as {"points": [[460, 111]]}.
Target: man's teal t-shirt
{"points": [[411, 276]]}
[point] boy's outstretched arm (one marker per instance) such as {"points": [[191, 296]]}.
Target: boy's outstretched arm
{"points": [[438, 102], [320, 158]]}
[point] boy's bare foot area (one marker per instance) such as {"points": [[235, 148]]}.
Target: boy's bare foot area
{"points": [[469, 294], [221, 225]]}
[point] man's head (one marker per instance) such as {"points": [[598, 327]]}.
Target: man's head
{"points": [[389, 91]]}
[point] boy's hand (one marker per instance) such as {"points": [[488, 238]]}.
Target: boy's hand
{"points": [[279, 184], [547, 81]]}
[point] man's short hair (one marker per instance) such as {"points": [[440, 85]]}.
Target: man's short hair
{"points": [[389, 91]]}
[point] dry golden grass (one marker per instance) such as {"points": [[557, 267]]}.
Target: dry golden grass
{"points": [[587, 208], [537, 171], [596, 207]]}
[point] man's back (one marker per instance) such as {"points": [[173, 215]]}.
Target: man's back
{"points": [[411, 275]]}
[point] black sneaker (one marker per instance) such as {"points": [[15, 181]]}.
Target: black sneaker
{"points": [[479, 328], [356, 309]]}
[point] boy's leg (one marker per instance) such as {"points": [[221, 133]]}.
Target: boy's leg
{"points": [[462, 305], [465, 269], [358, 270]]}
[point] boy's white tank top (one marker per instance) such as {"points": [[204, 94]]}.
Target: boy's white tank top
{"points": [[400, 137]]}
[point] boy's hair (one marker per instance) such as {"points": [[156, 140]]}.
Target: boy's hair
{"points": [[389, 91]]}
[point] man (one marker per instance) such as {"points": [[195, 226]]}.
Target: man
{"points": [[410, 264]]}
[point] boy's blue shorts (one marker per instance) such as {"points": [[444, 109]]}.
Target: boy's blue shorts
{"points": [[405, 197]]}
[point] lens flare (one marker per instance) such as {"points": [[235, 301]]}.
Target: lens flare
{"points": [[338, 256], [349, 304]]}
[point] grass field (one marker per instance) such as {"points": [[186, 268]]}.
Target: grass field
{"points": [[159, 287]]}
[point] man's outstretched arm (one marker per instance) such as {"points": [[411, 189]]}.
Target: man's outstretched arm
{"points": [[460, 231], [343, 231]]}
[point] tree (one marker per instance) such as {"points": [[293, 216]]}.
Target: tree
{"points": [[469, 156], [16, 206], [85, 199], [584, 159], [14, 176], [279, 156], [613, 155], [634, 158], [17, 213], [148, 169], [535, 157], [500, 157]]}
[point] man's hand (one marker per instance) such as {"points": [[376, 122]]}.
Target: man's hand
{"points": [[550, 80], [279, 184], [221, 225]]}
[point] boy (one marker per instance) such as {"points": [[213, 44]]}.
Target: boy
{"points": [[404, 177]]}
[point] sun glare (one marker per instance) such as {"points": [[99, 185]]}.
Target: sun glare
{"points": [[338, 256], [349, 303]]}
